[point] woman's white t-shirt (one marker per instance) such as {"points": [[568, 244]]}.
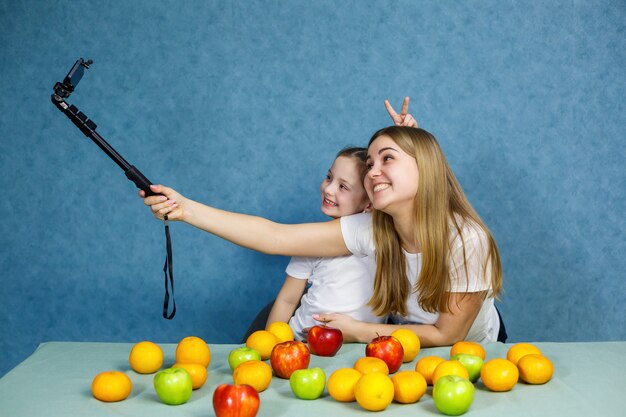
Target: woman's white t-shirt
{"points": [[358, 237], [338, 285]]}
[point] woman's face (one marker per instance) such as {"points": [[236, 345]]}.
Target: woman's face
{"points": [[342, 191], [392, 177]]}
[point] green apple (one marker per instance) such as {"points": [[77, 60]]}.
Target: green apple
{"points": [[173, 385], [453, 395], [308, 384], [472, 363], [242, 354]]}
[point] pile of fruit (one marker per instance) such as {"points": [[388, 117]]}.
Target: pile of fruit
{"points": [[173, 385], [368, 382]]}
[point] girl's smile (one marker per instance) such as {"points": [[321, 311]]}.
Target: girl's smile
{"points": [[342, 191]]}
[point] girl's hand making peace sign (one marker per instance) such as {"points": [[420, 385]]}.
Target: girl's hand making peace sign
{"points": [[404, 118]]}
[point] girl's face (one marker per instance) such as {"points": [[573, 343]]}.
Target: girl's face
{"points": [[392, 177], [342, 190]]}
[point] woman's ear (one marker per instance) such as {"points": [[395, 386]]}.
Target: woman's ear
{"points": [[368, 208]]}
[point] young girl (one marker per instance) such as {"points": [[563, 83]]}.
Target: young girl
{"points": [[436, 265], [341, 284]]}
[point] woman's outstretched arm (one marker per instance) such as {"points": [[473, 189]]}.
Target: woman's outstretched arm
{"points": [[256, 233]]}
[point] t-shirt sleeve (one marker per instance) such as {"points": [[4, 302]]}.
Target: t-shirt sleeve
{"points": [[301, 267], [469, 269], [357, 233]]}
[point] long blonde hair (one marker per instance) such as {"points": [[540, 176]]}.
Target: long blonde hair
{"points": [[438, 204]]}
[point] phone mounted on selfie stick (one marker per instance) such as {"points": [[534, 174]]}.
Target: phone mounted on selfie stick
{"points": [[63, 90]]}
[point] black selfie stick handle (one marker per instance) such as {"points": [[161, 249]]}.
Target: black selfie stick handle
{"points": [[140, 180]]}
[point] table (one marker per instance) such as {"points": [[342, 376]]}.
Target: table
{"points": [[589, 379]]}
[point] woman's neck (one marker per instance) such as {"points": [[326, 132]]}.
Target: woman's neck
{"points": [[405, 226]]}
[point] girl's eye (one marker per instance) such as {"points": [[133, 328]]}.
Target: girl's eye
{"points": [[327, 177], [368, 166], [343, 187], [387, 158]]}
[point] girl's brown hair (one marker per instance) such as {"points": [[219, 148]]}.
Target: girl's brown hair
{"points": [[439, 205], [358, 154]]}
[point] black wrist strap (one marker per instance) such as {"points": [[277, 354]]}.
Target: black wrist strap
{"points": [[168, 269]]}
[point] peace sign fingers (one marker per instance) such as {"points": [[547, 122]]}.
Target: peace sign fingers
{"points": [[405, 106], [397, 119], [401, 119]]}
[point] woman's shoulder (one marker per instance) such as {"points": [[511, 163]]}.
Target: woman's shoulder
{"points": [[357, 232], [466, 231], [356, 223]]}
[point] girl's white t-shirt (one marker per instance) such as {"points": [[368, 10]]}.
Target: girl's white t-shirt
{"points": [[338, 285], [358, 237]]}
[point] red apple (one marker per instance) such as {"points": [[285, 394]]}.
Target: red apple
{"points": [[235, 401], [288, 357], [324, 340], [387, 348]]}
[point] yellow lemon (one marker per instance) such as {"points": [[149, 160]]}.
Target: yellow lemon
{"points": [[341, 384], [369, 364], [111, 386], [145, 357], [410, 343], [519, 350], [197, 371], [281, 330], [408, 386], [426, 366], [192, 349], [374, 391], [451, 367], [255, 373], [263, 342]]}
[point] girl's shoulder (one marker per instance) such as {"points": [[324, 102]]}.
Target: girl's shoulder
{"points": [[358, 218]]}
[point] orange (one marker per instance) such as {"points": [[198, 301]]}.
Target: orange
{"points": [[369, 364], [499, 374], [374, 391], [197, 371], [470, 348], [111, 386], [192, 349], [145, 357], [281, 330], [410, 343], [341, 384], [263, 342], [516, 352], [535, 369], [257, 374], [408, 386], [451, 367], [426, 366]]}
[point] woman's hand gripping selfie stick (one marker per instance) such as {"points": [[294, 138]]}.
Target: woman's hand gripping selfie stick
{"points": [[62, 91]]}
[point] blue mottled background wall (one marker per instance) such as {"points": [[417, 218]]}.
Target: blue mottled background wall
{"points": [[243, 105]]}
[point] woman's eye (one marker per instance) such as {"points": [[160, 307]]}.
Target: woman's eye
{"points": [[343, 187], [368, 166], [387, 158]]}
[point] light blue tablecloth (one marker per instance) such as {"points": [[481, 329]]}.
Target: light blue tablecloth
{"points": [[589, 380]]}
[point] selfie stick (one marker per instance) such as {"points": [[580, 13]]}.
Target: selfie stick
{"points": [[88, 127]]}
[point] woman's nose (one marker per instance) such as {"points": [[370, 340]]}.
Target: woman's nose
{"points": [[373, 172]]}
